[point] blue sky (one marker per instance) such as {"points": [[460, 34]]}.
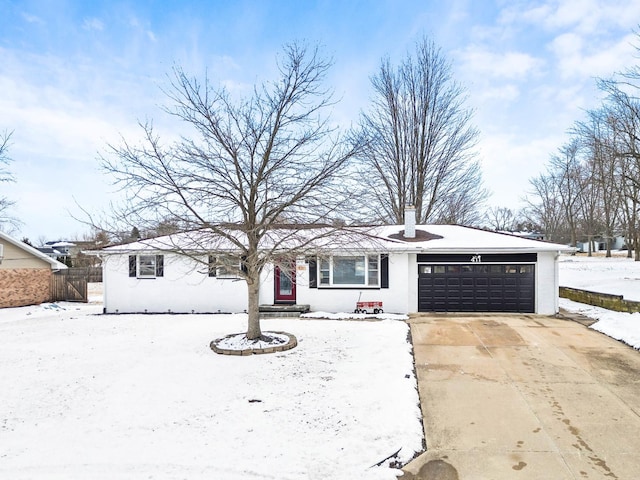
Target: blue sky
{"points": [[74, 75]]}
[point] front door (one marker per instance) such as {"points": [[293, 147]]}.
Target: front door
{"points": [[285, 285]]}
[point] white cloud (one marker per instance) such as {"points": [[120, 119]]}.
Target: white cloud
{"points": [[576, 58], [585, 17], [510, 65], [502, 93], [509, 161], [93, 24], [32, 18]]}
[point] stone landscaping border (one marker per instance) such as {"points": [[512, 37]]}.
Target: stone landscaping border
{"points": [[604, 300], [293, 342]]}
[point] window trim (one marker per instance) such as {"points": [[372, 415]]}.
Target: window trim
{"points": [[221, 271], [325, 265], [135, 263]]}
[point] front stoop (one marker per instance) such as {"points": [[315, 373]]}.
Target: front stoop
{"points": [[283, 310]]}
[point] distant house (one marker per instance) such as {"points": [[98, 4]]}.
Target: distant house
{"points": [[25, 273], [50, 252], [445, 268], [71, 253], [599, 243]]}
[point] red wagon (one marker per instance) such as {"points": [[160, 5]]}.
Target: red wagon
{"points": [[368, 307]]}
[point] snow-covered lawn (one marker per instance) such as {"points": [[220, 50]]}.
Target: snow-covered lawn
{"points": [[86, 395], [617, 275]]}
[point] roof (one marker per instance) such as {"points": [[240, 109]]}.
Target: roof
{"points": [[388, 238], [60, 244], [55, 265]]}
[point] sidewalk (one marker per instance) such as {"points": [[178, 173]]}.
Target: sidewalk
{"points": [[524, 397]]}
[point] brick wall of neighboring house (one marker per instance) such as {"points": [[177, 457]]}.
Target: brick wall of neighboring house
{"points": [[24, 286]]}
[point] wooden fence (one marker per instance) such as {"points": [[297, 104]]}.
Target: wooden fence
{"points": [[70, 285]]}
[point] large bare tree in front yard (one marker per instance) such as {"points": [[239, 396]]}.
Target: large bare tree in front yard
{"points": [[420, 143], [249, 165]]}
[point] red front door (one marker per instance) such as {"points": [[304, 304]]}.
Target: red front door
{"points": [[285, 285]]}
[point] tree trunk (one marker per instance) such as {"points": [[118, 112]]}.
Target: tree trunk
{"points": [[253, 321]]}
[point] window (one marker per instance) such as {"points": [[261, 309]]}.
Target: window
{"points": [[325, 268], [224, 266], [374, 273], [146, 266], [348, 271]]}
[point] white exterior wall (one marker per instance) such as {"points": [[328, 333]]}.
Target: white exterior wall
{"points": [[395, 298], [184, 288], [547, 284]]}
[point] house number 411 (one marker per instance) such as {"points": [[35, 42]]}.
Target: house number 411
{"points": [[476, 259]]}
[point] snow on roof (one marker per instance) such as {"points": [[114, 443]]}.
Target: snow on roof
{"points": [[60, 244], [429, 239]]}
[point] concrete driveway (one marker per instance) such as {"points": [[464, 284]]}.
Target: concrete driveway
{"points": [[524, 397]]}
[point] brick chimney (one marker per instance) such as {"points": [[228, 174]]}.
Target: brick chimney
{"points": [[410, 221]]}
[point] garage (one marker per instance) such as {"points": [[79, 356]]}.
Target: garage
{"points": [[477, 283]]}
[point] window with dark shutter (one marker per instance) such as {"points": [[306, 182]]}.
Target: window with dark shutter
{"points": [[132, 266]]}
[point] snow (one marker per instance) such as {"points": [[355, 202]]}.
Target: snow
{"points": [[239, 341], [453, 238], [354, 316], [617, 275], [87, 395]]}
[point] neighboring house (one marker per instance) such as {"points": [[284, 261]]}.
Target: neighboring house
{"points": [[442, 268], [50, 252], [600, 243], [71, 253], [25, 273]]}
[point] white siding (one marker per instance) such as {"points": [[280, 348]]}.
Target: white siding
{"points": [[547, 283], [395, 298], [187, 288], [184, 288]]}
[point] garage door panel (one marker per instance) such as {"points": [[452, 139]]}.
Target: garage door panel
{"points": [[479, 288]]}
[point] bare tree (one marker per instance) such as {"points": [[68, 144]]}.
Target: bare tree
{"points": [[419, 142], [625, 107], [566, 170], [544, 207], [251, 165], [598, 138], [7, 221], [500, 219]]}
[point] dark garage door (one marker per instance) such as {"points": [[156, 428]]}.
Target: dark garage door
{"points": [[476, 288]]}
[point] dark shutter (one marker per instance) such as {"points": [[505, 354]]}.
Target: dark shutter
{"points": [[212, 266], [313, 272], [159, 265], [384, 271], [132, 265], [243, 264]]}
